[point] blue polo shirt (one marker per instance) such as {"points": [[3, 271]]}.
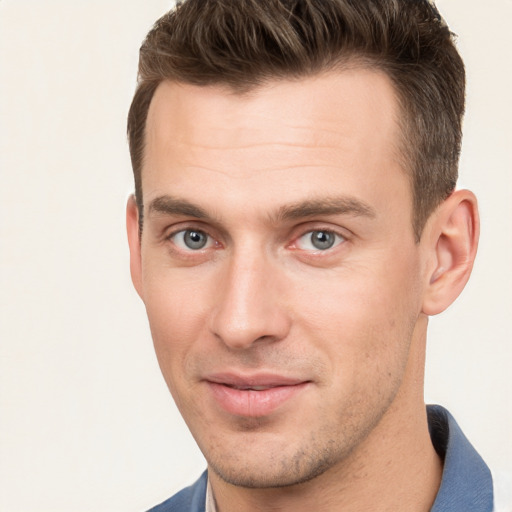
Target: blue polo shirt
{"points": [[466, 485]]}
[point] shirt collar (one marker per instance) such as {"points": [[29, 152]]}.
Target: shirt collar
{"points": [[210, 501], [466, 483]]}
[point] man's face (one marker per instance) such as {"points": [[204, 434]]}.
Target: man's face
{"points": [[279, 269]]}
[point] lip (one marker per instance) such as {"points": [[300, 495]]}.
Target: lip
{"points": [[236, 394]]}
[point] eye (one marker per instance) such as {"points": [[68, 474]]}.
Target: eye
{"points": [[319, 240], [191, 240]]}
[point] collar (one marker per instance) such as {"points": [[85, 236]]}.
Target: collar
{"points": [[466, 483], [210, 502]]}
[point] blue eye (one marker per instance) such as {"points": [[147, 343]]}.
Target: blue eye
{"points": [[319, 240], [191, 239]]}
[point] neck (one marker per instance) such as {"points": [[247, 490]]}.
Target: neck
{"points": [[394, 469]]}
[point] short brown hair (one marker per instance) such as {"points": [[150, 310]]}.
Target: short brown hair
{"points": [[244, 43]]}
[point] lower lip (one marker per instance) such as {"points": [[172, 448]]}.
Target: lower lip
{"points": [[253, 404]]}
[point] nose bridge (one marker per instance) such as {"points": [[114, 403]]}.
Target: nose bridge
{"points": [[248, 304]]}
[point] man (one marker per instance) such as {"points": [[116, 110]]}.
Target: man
{"points": [[295, 223]]}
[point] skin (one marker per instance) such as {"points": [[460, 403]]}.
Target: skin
{"points": [[257, 174]]}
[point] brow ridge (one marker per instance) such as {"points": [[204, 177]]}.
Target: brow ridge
{"points": [[344, 205], [325, 206], [174, 206]]}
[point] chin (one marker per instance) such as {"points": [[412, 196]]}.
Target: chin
{"points": [[276, 471]]}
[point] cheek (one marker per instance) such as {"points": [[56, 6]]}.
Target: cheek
{"points": [[176, 317], [364, 340], [363, 317]]}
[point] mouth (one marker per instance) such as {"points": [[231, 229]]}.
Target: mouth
{"points": [[251, 388], [254, 396]]}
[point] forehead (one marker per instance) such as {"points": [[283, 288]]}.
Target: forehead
{"points": [[333, 131], [354, 100]]}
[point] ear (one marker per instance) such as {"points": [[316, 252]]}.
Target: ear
{"points": [[453, 240], [132, 227]]}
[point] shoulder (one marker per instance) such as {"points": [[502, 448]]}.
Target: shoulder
{"points": [[502, 483], [190, 499]]}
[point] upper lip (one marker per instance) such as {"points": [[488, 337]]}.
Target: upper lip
{"points": [[267, 380]]}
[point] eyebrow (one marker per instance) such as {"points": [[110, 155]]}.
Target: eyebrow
{"points": [[173, 206], [344, 205], [325, 206]]}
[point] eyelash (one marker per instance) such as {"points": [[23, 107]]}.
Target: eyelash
{"points": [[183, 232], [212, 243], [335, 240]]}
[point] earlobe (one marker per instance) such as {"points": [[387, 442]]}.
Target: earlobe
{"points": [[132, 228], [453, 239]]}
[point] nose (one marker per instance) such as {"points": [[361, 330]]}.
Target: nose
{"points": [[249, 305]]}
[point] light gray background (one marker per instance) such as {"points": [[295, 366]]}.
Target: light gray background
{"points": [[86, 422]]}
